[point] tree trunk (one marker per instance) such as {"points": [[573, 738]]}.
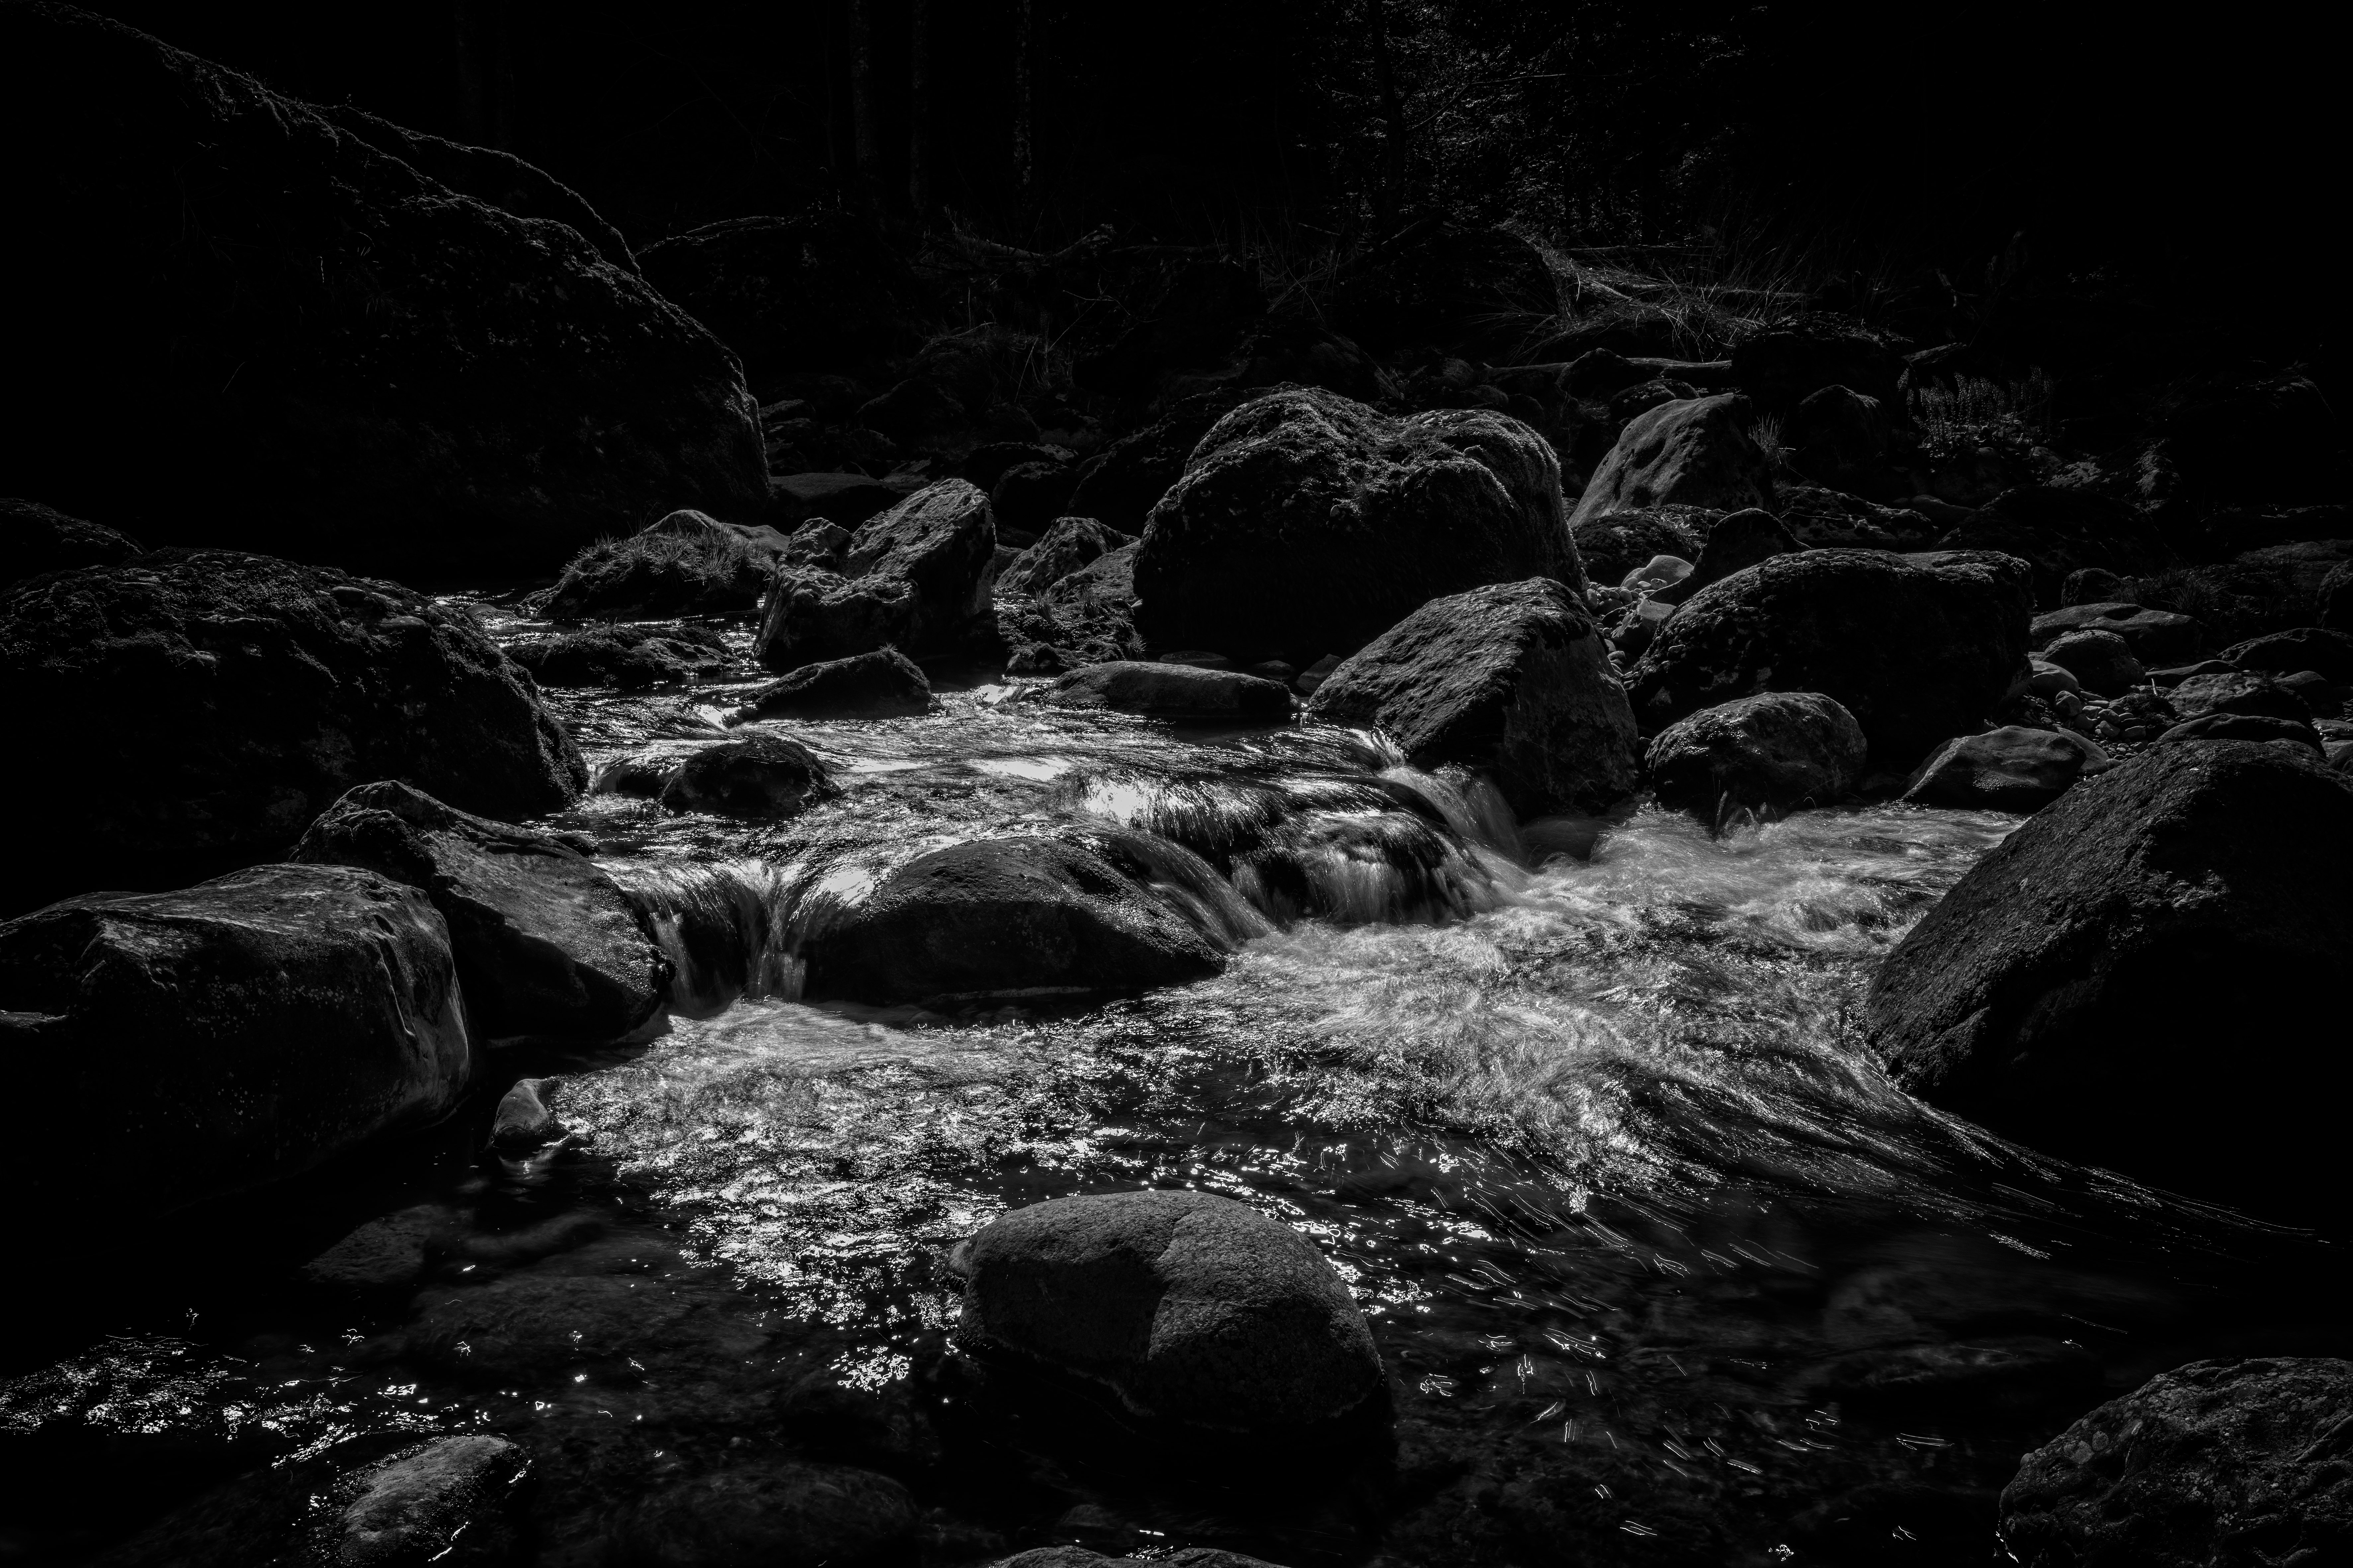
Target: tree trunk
{"points": [[865, 115], [919, 108]]}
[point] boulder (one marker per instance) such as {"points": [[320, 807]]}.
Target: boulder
{"points": [[687, 563], [1172, 692], [239, 695], [545, 942], [1513, 679], [185, 1045], [1918, 647], [913, 578], [1783, 365], [2078, 987], [781, 1514], [2256, 727], [758, 775], [359, 365], [2303, 648], [2060, 532], [1121, 484], [1777, 752], [1306, 524], [448, 1499], [1612, 544], [627, 658], [884, 684], [1190, 1308], [1735, 543], [2009, 769], [2156, 636], [1005, 918], [2237, 692], [34, 539], [2101, 661], [1691, 452], [1069, 543], [2219, 1463]]}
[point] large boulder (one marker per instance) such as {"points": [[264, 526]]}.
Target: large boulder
{"points": [[2009, 769], [1190, 1308], [357, 364], [1003, 918], [913, 578], [1777, 752], [1691, 452], [884, 684], [2135, 976], [1172, 692], [1306, 524], [34, 539], [1121, 484], [1918, 647], [545, 941], [1068, 544], [218, 702], [175, 1047], [2219, 1463], [756, 775], [1513, 679]]}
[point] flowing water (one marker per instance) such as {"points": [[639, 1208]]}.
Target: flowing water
{"points": [[1664, 1269]]}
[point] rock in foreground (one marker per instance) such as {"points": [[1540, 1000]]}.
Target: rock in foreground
{"points": [[1513, 679], [1307, 524], [182, 1046], [2140, 976], [1191, 1308], [1172, 692], [545, 941], [218, 703], [2219, 1463], [1918, 647], [1777, 752]]}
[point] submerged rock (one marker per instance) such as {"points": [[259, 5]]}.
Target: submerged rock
{"points": [[781, 1514], [239, 695], [1191, 1308], [1777, 752], [1002, 918], [443, 1501], [181, 1045], [34, 539], [2219, 1463], [1918, 647], [1171, 691], [358, 363], [1694, 452], [2081, 987], [883, 684], [1514, 678], [757, 776], [2009, 769], [545, 941], [1306, 524], [911, 578]]}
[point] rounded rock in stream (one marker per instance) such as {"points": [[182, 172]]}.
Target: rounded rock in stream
{"points": [[2142, 976], [780, 1515], [758, 775], [1191, 1308], [171, 1048], [546, 943], [2219, 1463], [2009, 769], [1171, 691], [1778, 750], [1005, 918], [884, 684], [218, 702]]}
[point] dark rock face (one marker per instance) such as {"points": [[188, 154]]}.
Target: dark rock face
{"points": [[1172, 692], [1005, 917], [1307, 524], [2156, 636], [1191, 1308], [200, 1042], [1069, 543], [628, 659], [1778, 750], [2074, 988], [1691, 452], [1733, 543], [360, 364], [758, 775], [2060, 532], [2303, 648], [783, 1514], [884, 684], [1086, 617], [545, 942], [2009, 769], [1918, 647], [1513, 679], [34, 539], [687, 563], [911, 578], [2256, 727], [243, 696], [2101, 661], [2219, 1463], [815, 292]]}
